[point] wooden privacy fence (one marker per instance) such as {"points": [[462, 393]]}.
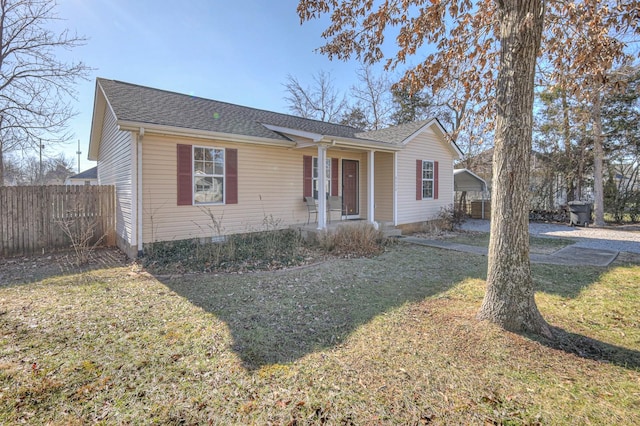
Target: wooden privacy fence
{"points": [[33, 218]]}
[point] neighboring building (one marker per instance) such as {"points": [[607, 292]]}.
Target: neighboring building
{"points": [[88, 177], [177, 159], [547, 186]]}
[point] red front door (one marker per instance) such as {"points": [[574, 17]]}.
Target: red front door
{"points": [[350, 187]]}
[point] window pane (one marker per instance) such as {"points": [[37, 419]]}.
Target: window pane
{"points": [[198, 154], [427, 170], [219, 162], [208, 190], [427, 189]]}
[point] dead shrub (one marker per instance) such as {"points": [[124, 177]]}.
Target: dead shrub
{"points": [[80, 226], [353, 241]]}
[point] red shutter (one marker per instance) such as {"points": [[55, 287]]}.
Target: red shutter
{"points": [[185, 175], [418, 179], [436, 174], [334, 176], [231, 176], [307, 176]]}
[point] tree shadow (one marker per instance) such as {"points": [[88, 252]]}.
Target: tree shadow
{"points": [[589, 348], [279, 317], [21, 270]]}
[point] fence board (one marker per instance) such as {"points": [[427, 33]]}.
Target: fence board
{"points": [[31, 216]]}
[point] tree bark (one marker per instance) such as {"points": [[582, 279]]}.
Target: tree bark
{"points": [[598, 155], [509, 299], [1, 165]]}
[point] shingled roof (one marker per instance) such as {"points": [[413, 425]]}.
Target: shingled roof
{"points": [[394, 134], [141, 104], [91, 173]]}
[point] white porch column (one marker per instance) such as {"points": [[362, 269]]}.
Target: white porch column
{"points": [[322, 190], [395, 189], [370, 188]]}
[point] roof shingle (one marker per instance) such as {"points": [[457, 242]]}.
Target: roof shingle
{"points": [[154, 106]]}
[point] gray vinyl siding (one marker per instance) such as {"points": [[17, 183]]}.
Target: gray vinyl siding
{"points": [[115, 167]]}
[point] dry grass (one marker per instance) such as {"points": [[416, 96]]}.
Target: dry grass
{"points": [[386, 340], [353, 241], [537, 245]]}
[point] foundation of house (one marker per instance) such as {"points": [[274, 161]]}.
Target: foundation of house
{"points": [[311, 231]]}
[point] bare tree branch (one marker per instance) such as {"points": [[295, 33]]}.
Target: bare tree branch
{"points": [[319, 102], [34, 82]]}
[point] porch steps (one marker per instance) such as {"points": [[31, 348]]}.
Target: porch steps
{"points": [[389, 231]]}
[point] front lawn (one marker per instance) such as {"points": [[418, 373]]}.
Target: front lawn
{"points": [[386, 340]]}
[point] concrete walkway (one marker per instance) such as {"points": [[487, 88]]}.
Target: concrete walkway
{"points": [[570, 255], [614, 238]]}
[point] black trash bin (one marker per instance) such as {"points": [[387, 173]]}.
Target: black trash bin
{"points": [[579, 213]]}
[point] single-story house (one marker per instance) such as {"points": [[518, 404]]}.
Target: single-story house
{"points": [[177, 161], [87, 177]]}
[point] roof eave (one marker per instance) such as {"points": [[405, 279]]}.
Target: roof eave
{"points": [[360, 143], [97, 119], [158, 129]]}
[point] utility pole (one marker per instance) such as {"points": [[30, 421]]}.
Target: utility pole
{"points": [[79, 153], [40, 177]]}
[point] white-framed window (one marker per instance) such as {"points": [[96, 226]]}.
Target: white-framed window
{"points": [[327, 175], [427, 179], [208, 175]]}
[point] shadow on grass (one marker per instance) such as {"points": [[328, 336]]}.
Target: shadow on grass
{"points": [[588, 348], [22, 270], [564, 281], [279, 317]]}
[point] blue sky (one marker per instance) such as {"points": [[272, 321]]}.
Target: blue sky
{"points": [[235, 51]]}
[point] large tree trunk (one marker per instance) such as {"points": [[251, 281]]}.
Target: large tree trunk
{"points": [[509, 300], [598, 155]]}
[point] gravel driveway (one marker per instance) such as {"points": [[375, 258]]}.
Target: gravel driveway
{"points": [[608, 238]]}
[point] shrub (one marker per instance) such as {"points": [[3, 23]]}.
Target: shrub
{"points": [[258, 250], [449, 218], [353, 241], [80, 226]]}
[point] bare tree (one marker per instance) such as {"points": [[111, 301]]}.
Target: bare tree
{"points": [[34, 83], [373, 97], [321, 101], [32, 171]]}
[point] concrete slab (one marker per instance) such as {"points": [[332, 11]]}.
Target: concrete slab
{"points": [[570, 255], [580, 256]]}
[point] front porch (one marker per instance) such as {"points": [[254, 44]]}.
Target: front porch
{"points": [[360, 184]]}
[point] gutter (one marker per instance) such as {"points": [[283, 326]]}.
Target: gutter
{"points": [[361, 143], [157, 129]]}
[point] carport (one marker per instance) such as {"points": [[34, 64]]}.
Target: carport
{"points": [[465, 180]]}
